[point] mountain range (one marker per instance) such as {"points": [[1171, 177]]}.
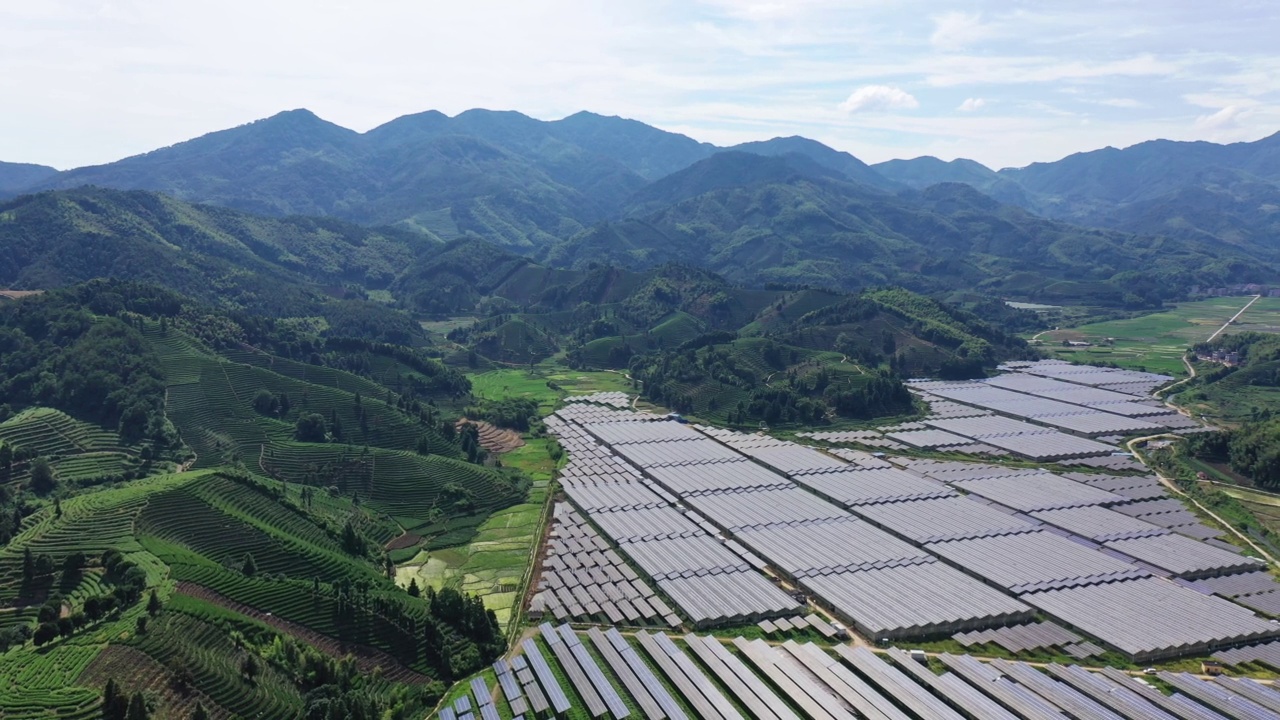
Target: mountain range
{"points": [[1112, 226]]}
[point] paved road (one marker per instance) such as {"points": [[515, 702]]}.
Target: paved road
{"points": [[1173, 488], [1233, 318]]}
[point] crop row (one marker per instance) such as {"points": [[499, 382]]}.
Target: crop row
{"points": [[400, 483], [135, 671], [181, 517], [177, 639], [305, 372], [296, 602], [40, 685], [51, 432]]}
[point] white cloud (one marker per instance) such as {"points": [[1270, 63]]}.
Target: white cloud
{"points": [[956, 30], [978, 70], [1120, 102], [1228, 118], [972, 105], [870, 98]]}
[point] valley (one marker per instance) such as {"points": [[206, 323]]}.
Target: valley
{"points": [[487, 416]]}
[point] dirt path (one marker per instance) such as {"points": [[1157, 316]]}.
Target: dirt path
{"points": [[1042, 332]]}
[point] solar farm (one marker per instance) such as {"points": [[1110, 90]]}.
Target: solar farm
{"points": [[666, 527], [560, 671], [1049, 411]]}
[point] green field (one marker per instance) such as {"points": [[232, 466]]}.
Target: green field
{"points": [[511, 383], [1158, 341], [494, 563]]}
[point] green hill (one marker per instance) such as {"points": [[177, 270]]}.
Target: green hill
{"points": [[186, 538], [785, 220]]}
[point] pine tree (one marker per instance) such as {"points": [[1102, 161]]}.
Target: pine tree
{"points": [[249, 567], [200, 712], [137, 708], [110, 700], [153, 604], [414, 591]]}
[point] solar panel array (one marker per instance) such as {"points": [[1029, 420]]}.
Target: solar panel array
{"points": [[737, 597], [855, 486], [1128, 381], [1020, 638], [716, 478], [1183, 556], [912, 600], [1033, 561], [946, 518], [582, 578], [1149, 618], [600, 673], [1098, 523], [895, 551], [1039, 491], [823, 548], [612, 399]]}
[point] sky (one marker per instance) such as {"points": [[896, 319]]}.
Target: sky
{"points": [[1005, 83]]}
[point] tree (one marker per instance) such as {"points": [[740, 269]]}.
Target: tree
{"points": [[310, 428], [153, 604], [414, 591], [114, 702], [46, 632], [137, 708], [249, 567], [249, 667], [6, 457], [266, 403], [43, 480], [141, 625], [200, 713]]}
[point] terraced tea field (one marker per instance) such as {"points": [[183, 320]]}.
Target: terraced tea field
{"points": [[78, 450], [416, 489]]}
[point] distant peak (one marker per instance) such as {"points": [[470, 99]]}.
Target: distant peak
{"points": [[295, 114]]}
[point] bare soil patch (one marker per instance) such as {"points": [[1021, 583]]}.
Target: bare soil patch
{"points": [[495, 439]]}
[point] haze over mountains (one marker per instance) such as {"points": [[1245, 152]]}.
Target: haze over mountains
{"points": [[590, 189]]}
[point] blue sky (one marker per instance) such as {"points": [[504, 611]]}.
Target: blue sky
{"points": [[1005, 83]]}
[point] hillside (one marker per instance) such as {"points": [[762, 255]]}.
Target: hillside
{"points": [[204, 509], [1199, 191], [592, 189], [283, 267], [793, 222], [17, 176]]}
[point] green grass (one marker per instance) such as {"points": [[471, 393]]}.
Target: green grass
{"points": [[533, 384], [1157, 342]]}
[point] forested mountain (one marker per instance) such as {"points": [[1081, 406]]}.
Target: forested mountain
{"points": [[1192, 190], [282, 267], [16, 176], [590, 189], [501, 174], [787, 219]]}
